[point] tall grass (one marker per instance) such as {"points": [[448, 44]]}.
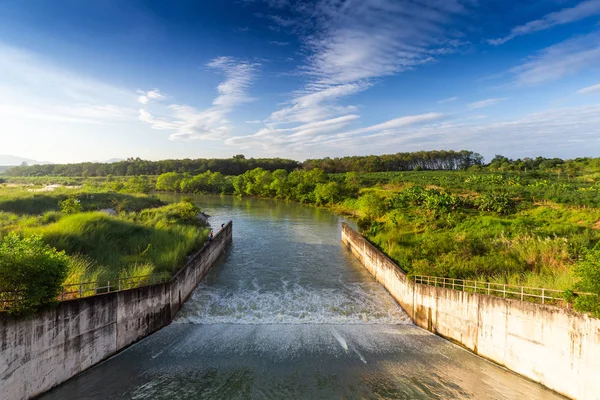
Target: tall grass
{"points": [[116, 243], [23, 201]]}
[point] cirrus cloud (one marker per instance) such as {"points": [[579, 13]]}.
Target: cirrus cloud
{"points": [[189, 123]]}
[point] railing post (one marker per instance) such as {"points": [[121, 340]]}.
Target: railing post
{"points": [[452, 283], [108, 285], [522, 288], [80, 290], [119, 280], [463, 285], [543, 290], [488, 288], [504, 291], [475, 288]]}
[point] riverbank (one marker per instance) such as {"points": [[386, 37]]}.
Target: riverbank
{"points": [[554, 346], [533, 228], [43, 350], [104, 235]]}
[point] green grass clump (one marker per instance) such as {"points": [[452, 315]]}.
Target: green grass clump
{"points": [[113, 244]]}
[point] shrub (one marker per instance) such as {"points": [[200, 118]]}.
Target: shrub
{"points": [[33, 269], [372, 205], [496, 202], [588, 271], [71, 205], [50, 217]]}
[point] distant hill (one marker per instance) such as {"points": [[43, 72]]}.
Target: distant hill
{"points": [[113, 160], [6, 160]]}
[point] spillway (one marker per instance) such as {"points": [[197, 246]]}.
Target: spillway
{"points": [[290, 314]]}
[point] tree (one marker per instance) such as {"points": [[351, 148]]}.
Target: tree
{"points": [[32, 269], [327, 193], [169, 182], [372, 205]]}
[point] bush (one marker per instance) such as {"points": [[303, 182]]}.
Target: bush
{"points": [[33, 269], [71, 205], [496, 202], [588, 271]]}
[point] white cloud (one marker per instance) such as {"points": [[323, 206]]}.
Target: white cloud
{"points": [[530, 135], [282, 21], [484, 103], [585, 9], [590, 89], [448, 100], [34, 88], [350, 46], [278, 43], [146, 97], [269, 136], [396, 124], [209, 124], [557, 130], [565, 58]]}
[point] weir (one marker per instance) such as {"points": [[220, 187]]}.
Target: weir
{"points": [[290, 313]]}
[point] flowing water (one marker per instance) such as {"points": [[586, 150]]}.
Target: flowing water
{"points": [[290, 314]]}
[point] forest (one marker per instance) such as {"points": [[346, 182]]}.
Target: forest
{"points": [[423, 160]]}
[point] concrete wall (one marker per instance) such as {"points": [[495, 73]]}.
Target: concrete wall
{"points": [[556, 347], [43, 350]]}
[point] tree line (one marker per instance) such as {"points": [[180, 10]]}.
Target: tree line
{"points": [[135, 166], [419, 160], [435, 160], [237, 165]]}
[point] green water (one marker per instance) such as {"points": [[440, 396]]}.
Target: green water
{"points": [[290, 314]]}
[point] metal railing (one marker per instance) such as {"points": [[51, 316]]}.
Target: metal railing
{"points": [[86, 289], [507, 291]]}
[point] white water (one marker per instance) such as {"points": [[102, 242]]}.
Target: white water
{"points": [[355, 303]]}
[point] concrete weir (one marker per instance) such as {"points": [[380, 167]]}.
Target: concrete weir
{"points": [[41, 351], [556, 347]]}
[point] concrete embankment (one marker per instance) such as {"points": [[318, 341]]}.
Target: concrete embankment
{"points": [[556, 347], [43, 350]]}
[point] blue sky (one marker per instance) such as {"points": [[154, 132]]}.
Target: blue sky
{"points": [[106, 79]]}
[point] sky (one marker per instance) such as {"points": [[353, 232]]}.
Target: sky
{"points": [[103, 79]]}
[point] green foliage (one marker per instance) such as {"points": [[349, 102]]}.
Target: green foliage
{"points": [[496, 202], [327, 193], [371, 205], [32, 269], [588, 271], [136, 167], [162, 237], [71, 205], [169, 182]]}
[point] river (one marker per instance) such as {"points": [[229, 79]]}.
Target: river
{"points": [[290, 314]]}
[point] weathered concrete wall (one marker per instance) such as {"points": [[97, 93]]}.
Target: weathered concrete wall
{"points": [[43, 350], [556, 347]]}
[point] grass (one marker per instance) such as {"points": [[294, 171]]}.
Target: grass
{"points": [[536, 245], [24, 200], [146, 237]]}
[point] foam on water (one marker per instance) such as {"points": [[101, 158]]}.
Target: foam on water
{"points": [[353, 303]]}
